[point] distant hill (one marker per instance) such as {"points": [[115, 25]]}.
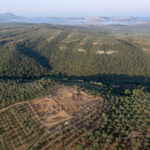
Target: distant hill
{"points": [[97, 18], [9, 17], [126, 19]]}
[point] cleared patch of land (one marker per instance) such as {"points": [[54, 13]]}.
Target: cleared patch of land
{"points": [[47, 111], [61, 106], [36, 120], [81, 50], [108, 52]]}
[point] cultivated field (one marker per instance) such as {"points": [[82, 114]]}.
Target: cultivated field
{"points": [[62, 105], [39, 118]]}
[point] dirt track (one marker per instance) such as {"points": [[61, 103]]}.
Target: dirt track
{"points": [[62, 106], [13, 105]]}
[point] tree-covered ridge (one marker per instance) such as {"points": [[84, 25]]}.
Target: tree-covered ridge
{"points": [[35, 50]]}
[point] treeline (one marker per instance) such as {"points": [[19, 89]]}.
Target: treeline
{"points": [[17, 90]]}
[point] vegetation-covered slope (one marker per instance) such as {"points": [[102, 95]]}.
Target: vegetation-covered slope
{"points": [[35, 50], [111, 63]]}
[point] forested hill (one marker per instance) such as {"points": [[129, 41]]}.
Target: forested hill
{"points": [[28, 50]]}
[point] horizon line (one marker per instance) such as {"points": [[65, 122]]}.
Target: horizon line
{"points": [[75, 16]]}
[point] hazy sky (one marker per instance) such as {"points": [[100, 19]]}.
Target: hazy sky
{"points": [[45, 8]]}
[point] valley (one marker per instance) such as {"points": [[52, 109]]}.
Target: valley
{"points": [[74, 87]]}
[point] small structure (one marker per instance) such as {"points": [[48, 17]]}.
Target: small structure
{"points": [[66, 123], [50, 96]]}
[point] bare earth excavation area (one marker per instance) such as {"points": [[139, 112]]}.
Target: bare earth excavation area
{"points": [[41, 122], [61, 106]]}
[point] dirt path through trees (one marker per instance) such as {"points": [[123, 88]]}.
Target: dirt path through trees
{"points": [[13, 105]]}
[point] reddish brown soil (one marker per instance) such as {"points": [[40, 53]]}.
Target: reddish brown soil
{"points": [[63, 105]]}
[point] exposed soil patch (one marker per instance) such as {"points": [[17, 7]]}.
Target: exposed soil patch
{"points": [[81, 50], [134, 134], [65, 103], [49, 39], [146, 49], [100, 52], [48, 111], [62, 47], [70, 99]]}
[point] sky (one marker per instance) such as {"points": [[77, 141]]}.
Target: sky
{"points": [[76, 8]]}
